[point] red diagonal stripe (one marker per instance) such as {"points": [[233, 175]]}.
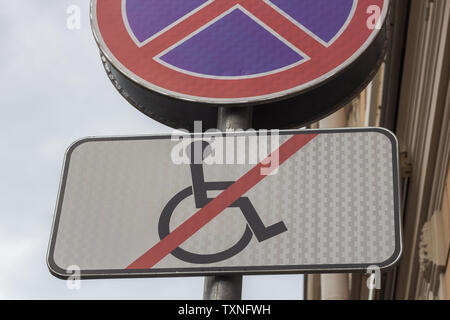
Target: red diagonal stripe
{"points": [[284, 27], [217, 205], [187, 26]]}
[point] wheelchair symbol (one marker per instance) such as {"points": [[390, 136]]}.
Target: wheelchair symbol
{"points": [[199, 189]]}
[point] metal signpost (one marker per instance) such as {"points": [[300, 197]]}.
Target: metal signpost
{"points": [[317, 201], [228, 287]]}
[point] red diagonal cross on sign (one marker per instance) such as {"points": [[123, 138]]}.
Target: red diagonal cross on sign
{"points": [[217, 205], [258, 8], [320, 60]]}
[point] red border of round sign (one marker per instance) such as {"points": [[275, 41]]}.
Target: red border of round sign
{"points": [[139, 61]]}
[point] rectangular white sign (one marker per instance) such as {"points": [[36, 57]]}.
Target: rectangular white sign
{"points": [[247, 203]]}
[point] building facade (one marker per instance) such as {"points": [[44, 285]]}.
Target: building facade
{"points": [[410, 95]]}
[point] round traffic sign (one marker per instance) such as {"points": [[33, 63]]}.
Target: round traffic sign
{"points": [[293, 61]]}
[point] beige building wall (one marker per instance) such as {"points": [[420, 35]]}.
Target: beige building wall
{"points": [[423, 130], [446, 222]]}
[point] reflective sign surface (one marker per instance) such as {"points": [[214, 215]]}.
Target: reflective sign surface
{"points": [[300, 201]]}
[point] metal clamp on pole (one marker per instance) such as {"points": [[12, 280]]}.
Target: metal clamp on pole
{"points": [[228, 287]]}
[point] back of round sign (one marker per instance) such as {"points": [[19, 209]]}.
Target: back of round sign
{"points": [[178, 73]]}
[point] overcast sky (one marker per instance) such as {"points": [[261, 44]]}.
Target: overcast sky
{"points": [[53, 92]]}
